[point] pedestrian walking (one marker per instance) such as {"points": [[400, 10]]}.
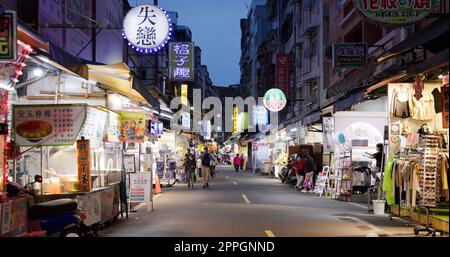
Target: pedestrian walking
{"points": [[189, 167], [299, 169], [237, 162], [206, 168], [199, 167], [214, 162], [242, 162], [309, 170]]}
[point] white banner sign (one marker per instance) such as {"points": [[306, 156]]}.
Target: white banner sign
{"points": [[140, 187]]}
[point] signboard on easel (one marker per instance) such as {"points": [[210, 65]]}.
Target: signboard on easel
{"points": [[322, 181], [141, 188]]}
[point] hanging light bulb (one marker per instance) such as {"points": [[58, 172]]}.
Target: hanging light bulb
{"points": [[38, 72]]}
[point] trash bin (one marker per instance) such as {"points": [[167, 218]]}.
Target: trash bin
{"points": [[378, 207]]}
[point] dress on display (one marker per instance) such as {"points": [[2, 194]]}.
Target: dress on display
{"points": [[423, 109]]}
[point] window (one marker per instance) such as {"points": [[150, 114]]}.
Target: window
{"points": [[314, 92]]}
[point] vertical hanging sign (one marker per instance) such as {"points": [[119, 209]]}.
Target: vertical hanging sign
{"points": [[235, 116], [283, 72], [8, 42], [181, 61], [84, 167]]}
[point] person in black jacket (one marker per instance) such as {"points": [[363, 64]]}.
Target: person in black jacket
{"points": [[206, 168], [189, 168]]}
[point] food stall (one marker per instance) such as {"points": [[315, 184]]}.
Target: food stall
{"points": [[87, 139]]}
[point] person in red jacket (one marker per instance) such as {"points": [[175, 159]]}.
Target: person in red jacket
{"points": [[299, 169], [237, 162]]}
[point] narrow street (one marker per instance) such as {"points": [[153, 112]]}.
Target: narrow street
{"points": [[250, 205]]}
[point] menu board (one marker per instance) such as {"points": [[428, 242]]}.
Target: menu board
{"points": [[94, 126], [48, 125], [140, 187], [112, 128], [132, 127]]}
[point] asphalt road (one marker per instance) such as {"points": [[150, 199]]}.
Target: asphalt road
{"points": [[251, 205]]}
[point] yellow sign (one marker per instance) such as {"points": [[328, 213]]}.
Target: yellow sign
{"points": [[84, 166], [200, 148], [184, 94], [235, 115], [132, 127]]}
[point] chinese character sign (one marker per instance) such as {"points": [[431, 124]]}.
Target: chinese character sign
{"points": [[181, 61], [84, 166], [396, 12], [112, 130], [140, 187], [48, 124], [132, 127], [283, 72], [8, 36], [147, 28], [94, 126], [349, 55]]}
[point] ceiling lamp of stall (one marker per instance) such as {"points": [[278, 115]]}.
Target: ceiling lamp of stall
{"points": [[38, 72]]}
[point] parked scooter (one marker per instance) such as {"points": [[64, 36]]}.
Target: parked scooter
{"points": [[61, 217], [287, 175]]}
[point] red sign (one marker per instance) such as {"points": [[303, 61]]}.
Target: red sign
{"points": [[283, 72]]}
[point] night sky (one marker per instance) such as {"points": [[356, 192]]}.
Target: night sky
{"points": [[215, 26]]}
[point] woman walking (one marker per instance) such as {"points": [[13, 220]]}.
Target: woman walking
{"points": [[237, 162]]}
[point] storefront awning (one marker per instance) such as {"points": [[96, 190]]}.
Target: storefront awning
{"points": [[437, 61], [353, 81], [311, 118], [115, 77], [420, 38], [347, 102], [27, 36]]}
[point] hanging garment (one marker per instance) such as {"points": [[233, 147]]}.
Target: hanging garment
{"points": [[418, 88], [388, 187], [406, 173], [423, 109], [400, 102], [417, 174], [437, 100]]}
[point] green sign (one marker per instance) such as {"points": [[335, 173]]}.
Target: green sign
{"points": [[8, 45], [181, 61], [274, 100], [396, 12]]}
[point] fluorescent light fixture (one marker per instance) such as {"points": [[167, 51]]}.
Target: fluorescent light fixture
{"points": [[38, 72], [440, 76]]}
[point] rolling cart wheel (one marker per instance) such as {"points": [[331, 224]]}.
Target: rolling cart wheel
{"points": [[416, 232]]}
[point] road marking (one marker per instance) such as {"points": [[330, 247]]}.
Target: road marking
{"points": [[373, 235], [245, 198], [234, 182], [227, 177], [269, 233], [359, 205]]}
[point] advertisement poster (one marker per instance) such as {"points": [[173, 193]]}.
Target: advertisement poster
{"points": [[53, 125], [349, 55], [160, 169], [129, 163], [140, 187], [112, 129], [328, 134], [94, 126], [84, 167], [156, 128], [132, 127], [8, 49], [181, 61]]}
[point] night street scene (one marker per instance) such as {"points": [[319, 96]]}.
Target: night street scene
{"points": [[257, 119]]}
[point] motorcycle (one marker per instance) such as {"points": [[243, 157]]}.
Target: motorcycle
{"points": [[61, 217], [287, 175]]}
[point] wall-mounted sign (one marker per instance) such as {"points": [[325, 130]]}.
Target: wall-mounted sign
{"points": [[156, 128], [132, 127], [112, 129], [129, 163], [260, 115], [186, 120], [84, 166], [147, 28], [235, 119], [8, 44], [274, 100], [349, 55], [283, 72], [47, 125], [181, 62], [396, 12]]}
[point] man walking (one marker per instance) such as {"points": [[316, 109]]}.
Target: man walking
{"points": [[237, 162], [206, 168], [189, 166]]}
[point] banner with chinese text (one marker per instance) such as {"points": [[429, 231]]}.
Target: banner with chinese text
{"points": [[84, 166], [283, 72], [8, 45], [47, 125], [181, 61], [132, 127]]}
